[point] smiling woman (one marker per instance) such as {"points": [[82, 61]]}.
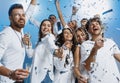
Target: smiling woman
{"points": [[85, 8]]}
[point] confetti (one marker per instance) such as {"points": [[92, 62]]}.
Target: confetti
{"points": [[108, 11]]}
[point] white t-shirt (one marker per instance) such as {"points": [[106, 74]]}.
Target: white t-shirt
{"points": [[104, 69], [64, 68]]}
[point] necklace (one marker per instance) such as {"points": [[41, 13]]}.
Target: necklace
{"points": [[20, 38]]}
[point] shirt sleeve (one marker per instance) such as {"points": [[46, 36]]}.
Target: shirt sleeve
{"points": [[4, 41], [51, 43], [35, 22], [29, 12], [115, 48]]}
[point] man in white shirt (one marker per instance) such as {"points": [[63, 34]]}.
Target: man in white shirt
{"points": [[57, 26], [12, 50], [99, 55]]}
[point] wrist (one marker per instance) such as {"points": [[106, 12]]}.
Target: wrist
{"points": [[10, 74]]}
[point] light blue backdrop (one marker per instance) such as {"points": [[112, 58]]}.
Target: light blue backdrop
{"points": [[109, 15]]}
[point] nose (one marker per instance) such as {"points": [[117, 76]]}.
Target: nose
{"points": [[80, 38], [22, 17]]}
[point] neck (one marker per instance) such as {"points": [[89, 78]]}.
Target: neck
{"points": [[94, 37], [15, 28]]}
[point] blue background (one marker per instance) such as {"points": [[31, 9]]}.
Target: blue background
{"points": [[46, 7]]}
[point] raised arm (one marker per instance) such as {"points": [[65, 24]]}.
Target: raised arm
{"points": [[60, 13], [77, 61], [33, 2], [98, 44], [77, 57], [33, 20], [30, 10]]}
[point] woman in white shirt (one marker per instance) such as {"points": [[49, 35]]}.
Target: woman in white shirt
{"points": [[42, 66], [81, 36], [64, 66]]}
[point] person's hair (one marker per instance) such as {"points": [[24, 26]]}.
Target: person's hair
{"points": [[40, 33], [83, 31], [84, 19], [14, 6], [75, 27], [60, 39], [51, 15], [92, 20]]}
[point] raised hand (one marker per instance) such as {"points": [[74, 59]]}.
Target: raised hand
{"points": [[26, 39], [99, 43]]}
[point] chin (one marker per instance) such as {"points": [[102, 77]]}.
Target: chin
{"points": [[22, 25]]}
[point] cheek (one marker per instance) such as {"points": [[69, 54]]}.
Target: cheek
{"points": [[16, 17], [71, 36], [50, 29]]}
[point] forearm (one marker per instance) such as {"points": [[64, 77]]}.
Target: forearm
{"points": [[60, 14], [4, 71], [77, 57], [77, 72], [33, 2], [117, 57]]}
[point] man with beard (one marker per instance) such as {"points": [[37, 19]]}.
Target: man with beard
{"points": [[12, 49]]}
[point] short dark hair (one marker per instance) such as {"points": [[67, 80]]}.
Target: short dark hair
{"points": [[84, 19], [51, 15], [93, 20], [14, 6]]}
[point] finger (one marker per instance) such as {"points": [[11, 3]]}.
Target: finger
{"points": [[21, 71], [83, 79], [21, 77]]}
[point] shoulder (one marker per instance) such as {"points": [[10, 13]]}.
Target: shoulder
{"points": [[50, 35], [6, 31], [88, 42], [109, 41]]}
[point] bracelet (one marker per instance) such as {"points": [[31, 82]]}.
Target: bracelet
{"points": [[76, 66], [10, 74]]}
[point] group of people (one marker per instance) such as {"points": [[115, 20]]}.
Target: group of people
{"points": [[64, 53]]}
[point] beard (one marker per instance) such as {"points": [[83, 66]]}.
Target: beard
{"points": [[18, 24]]}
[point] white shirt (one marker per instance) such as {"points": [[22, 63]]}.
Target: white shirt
{"points": [[64, 68], [57, 28], [43, 59], [12, 51], [104, 69], [61, 65]]}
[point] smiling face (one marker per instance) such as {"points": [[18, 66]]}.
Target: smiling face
{"points": [[67, 35], [46, 27], [95, 28], [81, 35], [72, 24]]}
